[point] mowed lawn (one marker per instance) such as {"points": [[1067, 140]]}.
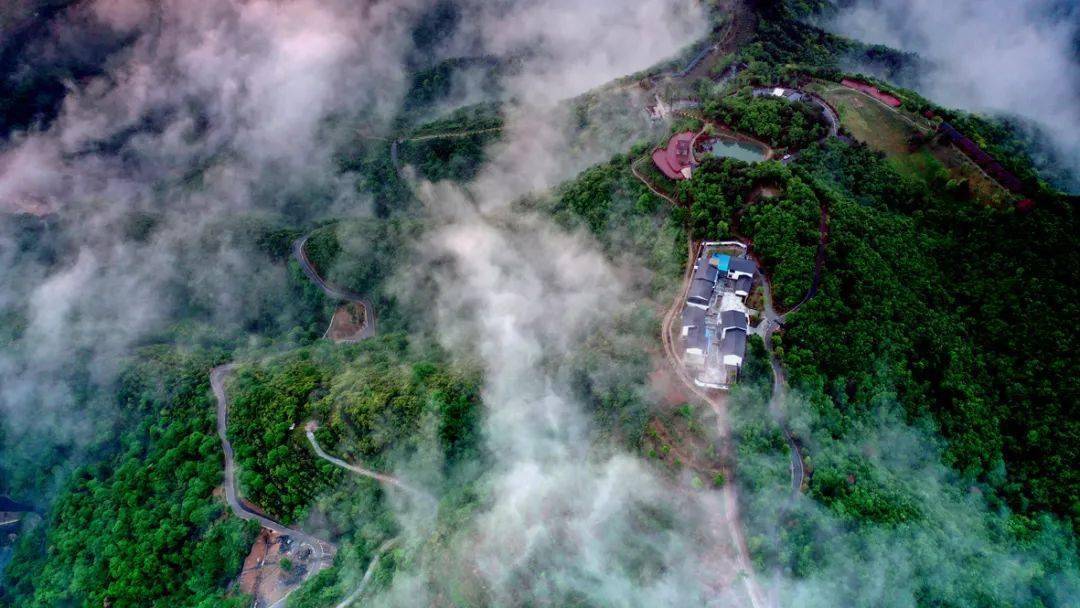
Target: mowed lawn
{"points": [[870, 121]]}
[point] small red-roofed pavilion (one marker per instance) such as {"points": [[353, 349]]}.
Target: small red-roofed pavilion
{"points": [[676, 160]]}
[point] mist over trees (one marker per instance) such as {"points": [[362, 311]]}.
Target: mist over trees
{"points": [[519, 275], [1027, 70]]}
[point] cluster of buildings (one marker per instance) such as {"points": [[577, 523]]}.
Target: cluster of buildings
{"points": [[715, 320]]}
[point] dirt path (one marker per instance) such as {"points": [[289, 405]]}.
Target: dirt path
{"points": [[718, 403], [641, 177], [736, 31], [383, 478], [451, 134], [394, 156]]}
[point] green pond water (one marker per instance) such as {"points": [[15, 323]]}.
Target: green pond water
{"points": [[731, 148]]}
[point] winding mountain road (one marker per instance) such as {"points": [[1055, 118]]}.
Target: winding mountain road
{"points": [[773, 321], [323, 550], [765, 329], [334, 291], [352, 597], [217, 384]]}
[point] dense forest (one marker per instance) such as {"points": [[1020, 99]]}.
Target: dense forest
{"points": [[926, 295], [779, 122], [942, 329], [951, 288], [453, 147], [143, 528], [377, 403], [895, 326]]}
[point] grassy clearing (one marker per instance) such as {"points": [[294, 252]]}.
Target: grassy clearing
{"points": [[871, 122], [888, 131]]}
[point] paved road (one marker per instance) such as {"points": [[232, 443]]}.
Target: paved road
{"points": [[815, 280], [334, 291], [827, 111], [765, 329], [323, 551], [773, 321]]}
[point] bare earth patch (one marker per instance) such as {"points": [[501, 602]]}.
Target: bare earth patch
{"points": [[274, 568], [667, 386], [348, 323]]}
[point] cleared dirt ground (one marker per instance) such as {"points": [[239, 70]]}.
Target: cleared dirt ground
{"points": [[348, 323], [263, 575]]}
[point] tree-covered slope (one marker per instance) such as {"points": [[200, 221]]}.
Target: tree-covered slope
{"points": [[143, 528]]}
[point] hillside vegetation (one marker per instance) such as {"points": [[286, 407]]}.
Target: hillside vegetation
{"points": [[145, 527]]}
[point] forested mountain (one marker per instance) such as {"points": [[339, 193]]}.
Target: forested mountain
{"points": [[320, 304]]}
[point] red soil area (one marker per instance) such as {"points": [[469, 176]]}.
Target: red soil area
{"points": [[261, 576], [348, 322], [667, 386], [872, 91]]}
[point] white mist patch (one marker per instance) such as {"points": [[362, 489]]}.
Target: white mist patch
{"points": [[564, 518], [215, 110], [1012, 57], [585, 44]]}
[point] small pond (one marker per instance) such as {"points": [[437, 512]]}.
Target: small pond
{"points": [[726, 147]]}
